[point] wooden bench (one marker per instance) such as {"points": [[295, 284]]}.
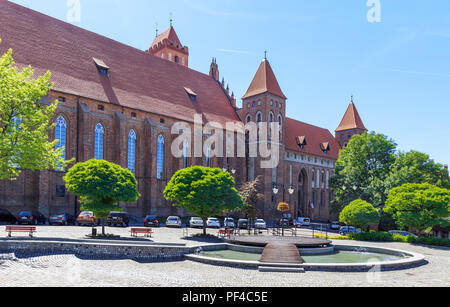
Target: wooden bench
{"points": [[226, 232], [146, 231], [28, 229]]}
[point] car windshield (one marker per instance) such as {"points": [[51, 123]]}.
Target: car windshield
{"points": [[151, 217], [197, 219], [25, 213], [172, 219], [260, 221], [213, 220], [86, 214], [116, 214]]}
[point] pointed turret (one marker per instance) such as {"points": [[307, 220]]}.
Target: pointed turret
{"points": [[168, 46], [350, 125], [264, 82]]}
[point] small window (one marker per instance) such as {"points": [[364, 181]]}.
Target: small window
{"points": [[60, 191], [61, 99], [102, 67], [133, 115], [162, 121], [177, 59], [101, 107], [191, 93]]}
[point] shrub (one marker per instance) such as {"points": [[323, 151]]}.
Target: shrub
{"points": [[360, 213]]}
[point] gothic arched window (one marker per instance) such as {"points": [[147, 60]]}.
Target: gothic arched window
{"points": [[132, 151], [98, 148], [160, 158], [60, 134]]}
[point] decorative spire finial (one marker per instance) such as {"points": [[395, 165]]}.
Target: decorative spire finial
{"points": [[171, 20], [156, 29], [265, 55]]}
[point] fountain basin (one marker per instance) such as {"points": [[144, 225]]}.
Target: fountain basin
{"points": [[331, 258]]}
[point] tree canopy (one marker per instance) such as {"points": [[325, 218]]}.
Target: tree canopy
{"points": [[360, 213], [25, 121], [416, 167], [361, 170], [101, 185], [419, 206], [203, 191]]}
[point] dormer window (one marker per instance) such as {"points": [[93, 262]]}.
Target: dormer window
{"points": [[102, 67], [191, 93], [325, 147], [301, 141]]}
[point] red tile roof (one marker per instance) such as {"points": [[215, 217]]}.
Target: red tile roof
{"points": [[136, 79], [264, 82], [169, 34], [351, 120], [316, 138]]}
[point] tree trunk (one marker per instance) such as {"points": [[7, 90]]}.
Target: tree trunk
{"points": [[103, 226], [204, 227]]}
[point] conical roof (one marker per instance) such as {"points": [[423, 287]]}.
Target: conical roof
{"points": [[351, 120], [264, 82]]}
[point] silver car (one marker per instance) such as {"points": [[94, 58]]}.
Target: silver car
{"points": [[173, 221], [212, 222], [196, 222]]}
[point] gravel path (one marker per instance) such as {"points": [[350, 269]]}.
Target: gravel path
{"points": [[68, 270]]}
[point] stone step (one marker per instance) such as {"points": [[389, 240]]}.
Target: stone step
{"points": [[273, 269]]}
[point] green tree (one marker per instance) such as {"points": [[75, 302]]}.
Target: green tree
{"points": [[419, 206], [101, 185], [360, 213], [250, 198], [203, 191], [25, 121], [361, 170], [416, 167]]}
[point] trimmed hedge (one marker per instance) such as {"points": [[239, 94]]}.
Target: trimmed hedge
{"points": [[386, 237]]}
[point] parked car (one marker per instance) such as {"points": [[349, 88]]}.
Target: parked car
{"points": [[402, 233], [31, 218], [87, 218], [228, 222], [302, 222], [173, 221], [260, 224], [151, 221], [7, 217], [335, 226], [63, 219], [118, 218], [212, 222], [196, 222], [243, 224], [346, 229]]}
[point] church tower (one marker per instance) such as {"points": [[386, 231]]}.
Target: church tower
{"points": [[264, 102], [168, 46], [350, 125]]}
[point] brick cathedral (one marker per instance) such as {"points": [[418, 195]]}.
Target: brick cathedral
{"points": [[119, 103]]}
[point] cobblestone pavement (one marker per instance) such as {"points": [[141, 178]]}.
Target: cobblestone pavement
{"points": [[68, 270]]}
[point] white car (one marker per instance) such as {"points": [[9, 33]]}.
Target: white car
{"points": [[228, 222], [335, 226], [195, 222], [173, 221], [260, 224], [212, 222]]}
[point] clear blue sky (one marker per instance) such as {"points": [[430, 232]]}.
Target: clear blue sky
{"points": [[322, 52]]}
